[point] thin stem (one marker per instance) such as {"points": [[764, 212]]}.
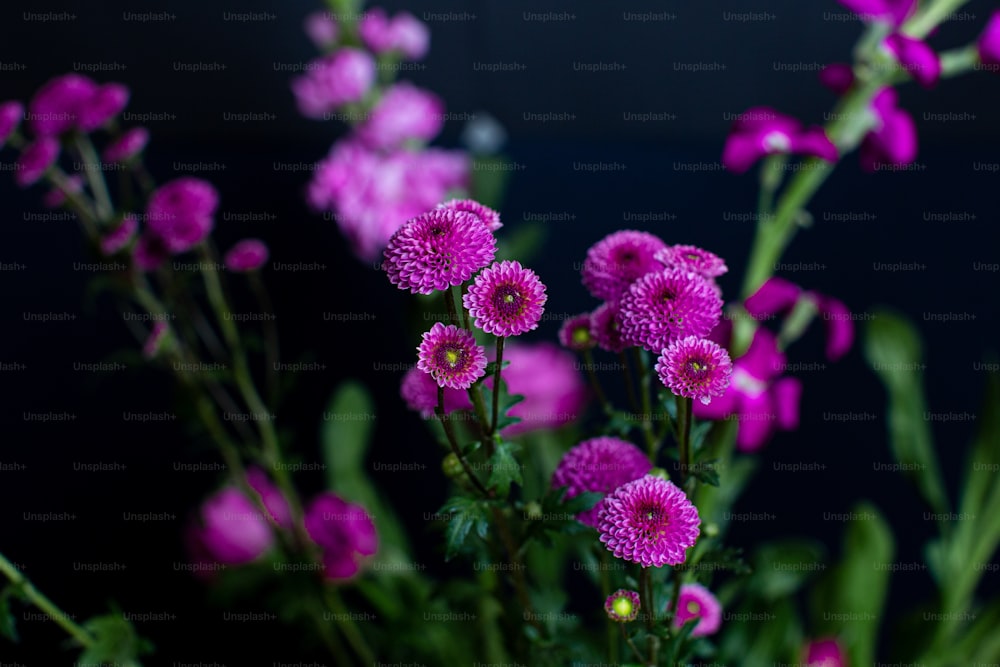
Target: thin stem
{"points": [[95, 176], [646, 595], [350, 629], [628, 640], [39, 600], [449, 304], [496, 390], [629, 388], [271, 346], [684, 438], [588, 361], [647, 409], [675, 600], [517, 568], [450, 433]]}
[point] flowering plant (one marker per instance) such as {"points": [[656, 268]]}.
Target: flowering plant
{"points": [[552, 464]]}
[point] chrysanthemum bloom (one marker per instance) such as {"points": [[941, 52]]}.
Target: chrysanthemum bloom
{"points": [[553, 388], [10, 117], [55, 108], [149, 252], [451, 356], [824, 653], [344, 531], [692, 258], [649, 521], [439, 248], [779, 296], [506, 299], [56, 197], [618, 260], [420, 393], [667, 305], [696, 368], [757, 398], [695, 601], [988, 44], [370, 194], [374, 29], [246, 255], [488, 216], [893, 140], [404, 113], [322, 29], [575, 333], [605, 327], [334, 80], [599, 465], [120, 236], [35, 160], [914, 56], [181, 212], [622, 606], [131, 142], [837, 77], [763, 131], [155, 340], [233, 530], [404, 33], [106, 102]]}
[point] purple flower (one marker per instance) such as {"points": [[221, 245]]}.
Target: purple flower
{"points": [[695, 601], [149, 252], [622, 606], [506, 299], [120, 236], [127, 146], [489, 217], [439, 248], [893, 12], [988, 45], [618, 260], [322, 29], [181, 213], [824, 653], [233, 530], [576, 333], [763, 131], [10, 117], [837, 77], [893, 140], [546, 375], [404, 113], [692, 258], [776, 295], [649, 521], [104, 104], [246, 255], [155, 340], [420, 393], [757, 398], [375, 30], [344, 531], [599, 465], [451, 356], [35, 160], [56, 106], [605, 329], [696, 368], [915, 57], [405, 33], [667, 305], [334, 80]]}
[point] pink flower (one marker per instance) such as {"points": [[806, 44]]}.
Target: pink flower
{"points": [[322, 29], [696, 602], [506, 299], [988, 45], [893, 140], [149, 252], [334, 80], [374, 28], [576, 333], [837, 77], [605, 327], [824, 653], [127, 146], [120, 236], [778, 295], [405, 34], [757, 397], [546, 375], [489, 217], [649, 521], [181, 213], [893, 12], [763, 131], [56, 106], [105, 103], [695, 368], [692, 258], [599, 465], [344, 531], [405, 113], [915, 57], [618, 260], [247, 255], [662, 307], [35, 160], [10, 117], [451, 356], [419, 392]]}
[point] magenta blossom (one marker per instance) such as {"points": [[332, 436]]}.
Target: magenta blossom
{"points": [[344, 531], [149, 252], [75, 101], [893, 140], [546, 375], [120, 236], [918, 59], [618, 260], [599, 465], [837, 77], [334, 80], [824, 653], [757, 397], [988, 45], [56, 197], [247, 255], [697, 602], [451, 356], [107, 102], [404, 33], [763, 131], [127, 146], [892, 12], [322, 29], [156, 339], [696, 368], [420, 392], [605, 327], [10, 117], [506, 299], [404, 113], [576, 333], [489, 217], [181, 213], [35, 160]]}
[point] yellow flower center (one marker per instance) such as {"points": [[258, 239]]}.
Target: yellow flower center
{"points": [[452, 357], [622, 606], [693, 607]]}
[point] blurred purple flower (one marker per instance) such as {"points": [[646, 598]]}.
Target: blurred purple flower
{"points": [[761, 131], [404, 113], [546, 375], [332, 81], [345, 533], [893, 140]]}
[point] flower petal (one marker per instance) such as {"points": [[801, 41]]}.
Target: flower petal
{"points": [[786, 394], [839, 327], [757, 422], [837, 77], [776, 295], [813, 141], [915, 57]]}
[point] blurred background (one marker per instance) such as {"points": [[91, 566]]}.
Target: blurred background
{"points": [[569, 82]]}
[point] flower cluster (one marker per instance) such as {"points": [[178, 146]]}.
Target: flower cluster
{"points": [[599, 465]]}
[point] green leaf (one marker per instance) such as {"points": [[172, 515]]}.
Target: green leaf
{"points": [[849, 600], [984, 456], [504, 469], [780, 568], [892, 346], [466, 513], [8, 625], [115, 642]]}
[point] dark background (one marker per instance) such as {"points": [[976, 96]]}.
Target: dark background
{"points": [[654, 176]]}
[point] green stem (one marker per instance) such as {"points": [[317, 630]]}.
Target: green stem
{"points": [[449, 304], [517, 568], [647, 408], [684, 440], [271, 346], [350, 628], [629, 387], [39, 600], [588, 361], [95, 176], [646, 596], [628, 640], [933, 15], [675, 600], [450, 433], [605, 593], [496, 391]]}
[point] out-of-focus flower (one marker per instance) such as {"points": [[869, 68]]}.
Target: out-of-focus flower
{"points": [[246, 255], [10, 118], [824, 653], [181, 213], [420, 392], [120, 236], [618, 260], [988, 44], [918, 59], [599, 465], [344, 531], [576, 333], [322, 29], [892, 12], [546, 375], [35, 160], [605, 327], [837, 77], [692, 258], [451, 356], [107, 101], [893, 140], [763, 131], [696, 601], [149, 252], [74, 101], [404, 113], [334, 80], [489, 217], [127, 146], [404, 33]]}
